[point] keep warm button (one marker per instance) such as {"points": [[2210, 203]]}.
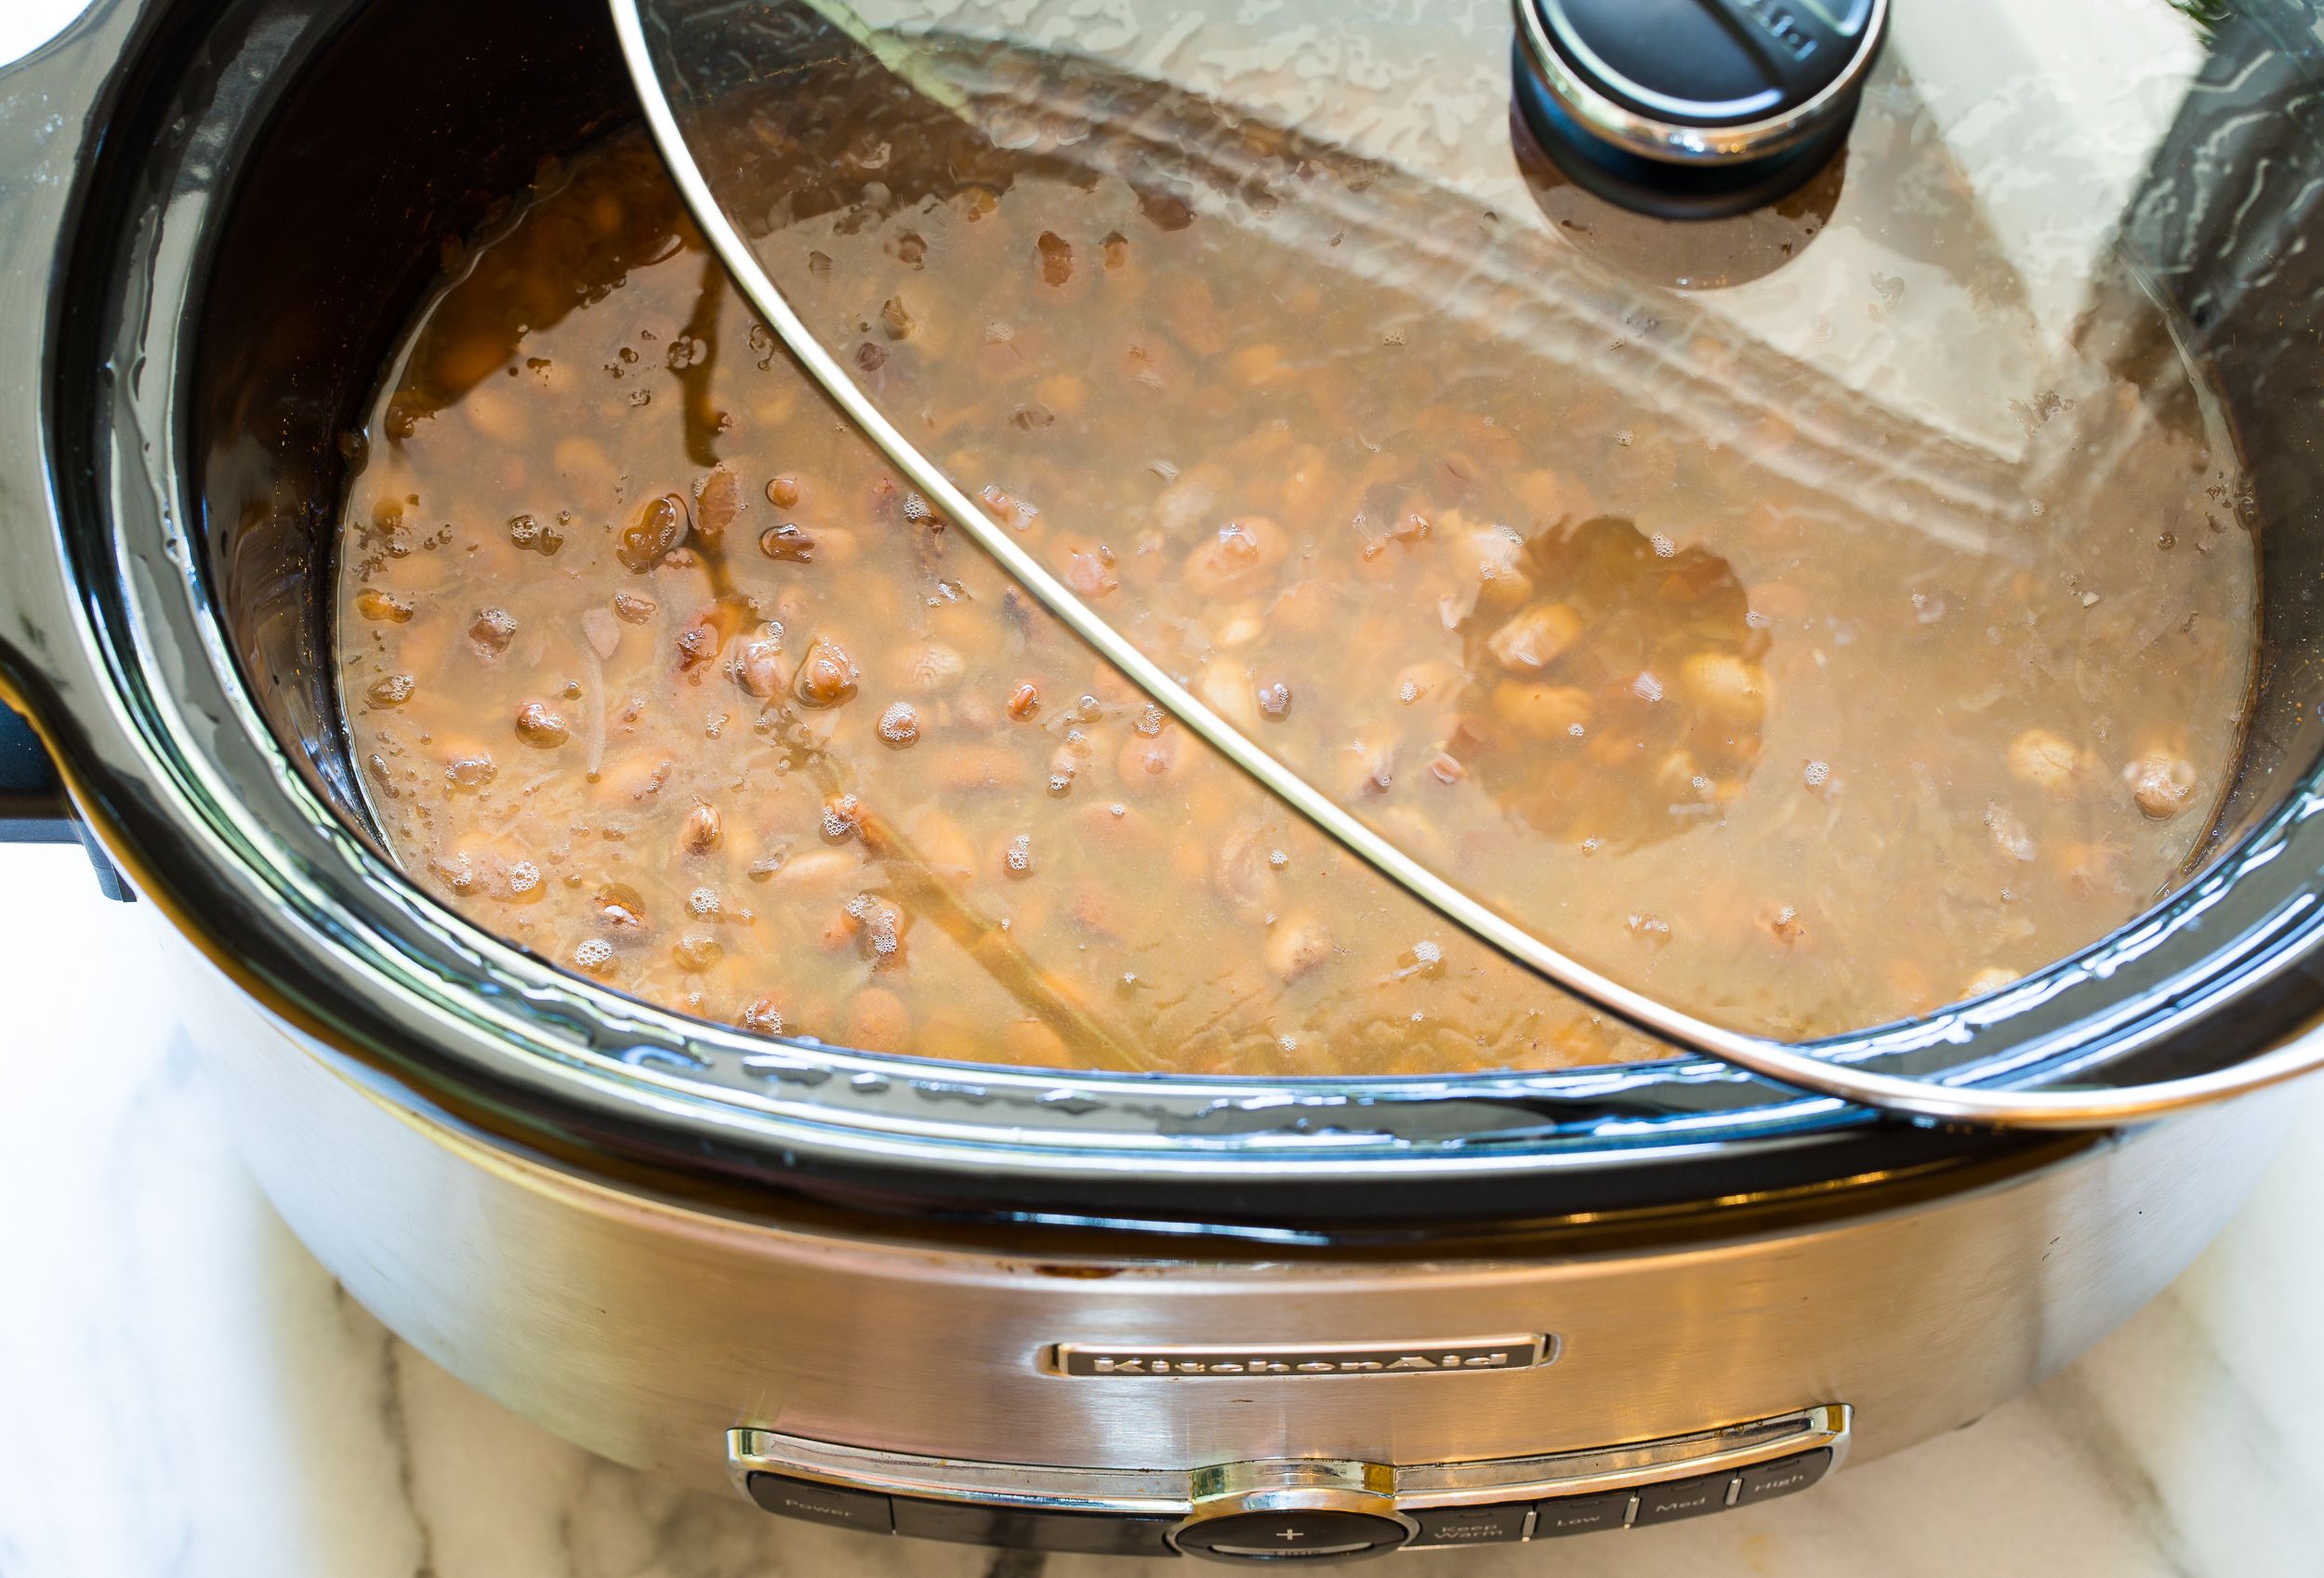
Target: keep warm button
{"points": [[1470, 1526], [1782, 1476]]}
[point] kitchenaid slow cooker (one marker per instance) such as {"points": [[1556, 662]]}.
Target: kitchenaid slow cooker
{"points": [[1241, 1317]]}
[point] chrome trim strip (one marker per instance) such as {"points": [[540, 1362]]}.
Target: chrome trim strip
{"points": [[1612, 1469], [1150, 1492]]}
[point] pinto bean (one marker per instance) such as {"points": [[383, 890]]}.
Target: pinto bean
{"points": [[970, 768], [930, 667], [494, 630], [758, 666], [1245, 877], [764, 1015], [2162, 784], [390, 690], [899, 725], [1295, 945], [1224, 686], [2043, 760], [1148, 763], [877, 1021], [658, 528], [696, 951], [826, 675], [703, 830], [717, 499], [1993, 978], [384, 606], [1726, 686], [470, 772], [1542, 711], [1536, 638], [539, 727], [1031, 1043], [817, 870], [1236, 559]]}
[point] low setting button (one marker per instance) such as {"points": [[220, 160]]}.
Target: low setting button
{"points": [[1767, 1480], [1470, 1525], [1581, 1514], [823, 1504], [1682, 1498]]}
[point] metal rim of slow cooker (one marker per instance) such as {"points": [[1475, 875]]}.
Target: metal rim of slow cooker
{"points": [[308, 916]]}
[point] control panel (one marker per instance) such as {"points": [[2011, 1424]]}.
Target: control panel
{"points": [[1288, 1509]]}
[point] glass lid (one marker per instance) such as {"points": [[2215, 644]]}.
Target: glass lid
{"points": [[1729, 507]]}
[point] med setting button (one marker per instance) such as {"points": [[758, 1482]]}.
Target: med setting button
{"points": [[1674, 1499]]}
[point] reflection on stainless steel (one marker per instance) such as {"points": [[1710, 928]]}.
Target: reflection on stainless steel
{"points": [[646, 1329]]}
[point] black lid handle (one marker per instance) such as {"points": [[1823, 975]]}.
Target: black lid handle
{"points": [[34, 806], [1694, 108], [1800, 47]]}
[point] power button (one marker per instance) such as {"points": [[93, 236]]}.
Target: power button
{"points": [[1292, 1536], [1295, 1510]]}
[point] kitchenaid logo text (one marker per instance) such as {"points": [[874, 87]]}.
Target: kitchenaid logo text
{"points": [[1509, 1353]]}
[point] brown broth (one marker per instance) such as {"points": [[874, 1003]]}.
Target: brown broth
{"points": [[654, 667]]}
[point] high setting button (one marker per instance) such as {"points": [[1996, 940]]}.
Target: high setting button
{"points": [[1675, 1499], [1767, 1480]]}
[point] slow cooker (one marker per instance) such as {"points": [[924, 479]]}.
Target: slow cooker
{"points": [[1241, 1318]]}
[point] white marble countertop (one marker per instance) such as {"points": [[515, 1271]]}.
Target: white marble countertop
{"points": [[184, 1394]]}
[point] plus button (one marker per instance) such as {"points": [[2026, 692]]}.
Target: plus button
{"points": [[1291, 1534]]}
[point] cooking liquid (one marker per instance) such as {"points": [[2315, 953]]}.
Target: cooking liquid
{"points": [[652, 666]]}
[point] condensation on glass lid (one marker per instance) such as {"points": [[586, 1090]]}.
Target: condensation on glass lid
{"points": [[1935, 453], [658, 672]]}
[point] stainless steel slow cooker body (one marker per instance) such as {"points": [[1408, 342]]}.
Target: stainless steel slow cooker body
{"points": [[952, 1300]]}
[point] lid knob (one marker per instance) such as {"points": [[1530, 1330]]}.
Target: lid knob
{"points": [[1694, 108]]}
